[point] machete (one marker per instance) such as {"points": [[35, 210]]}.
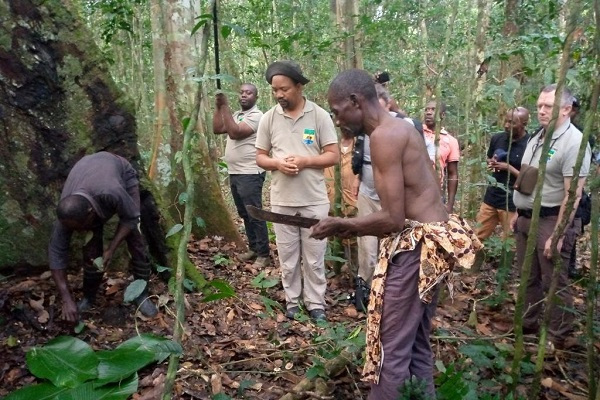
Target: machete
{"points": [[285, 219]]}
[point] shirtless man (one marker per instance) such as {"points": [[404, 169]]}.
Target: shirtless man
{"points": [[403, 293]]}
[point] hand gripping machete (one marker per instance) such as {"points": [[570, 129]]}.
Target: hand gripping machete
{"points": [[285, 219]]}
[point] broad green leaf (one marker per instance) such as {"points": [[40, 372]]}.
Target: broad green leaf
{"points": [[216, 296], [116, 391], [270, 304], [316, 370], [134, 289], [64, 361], [261, 282], [335, 258], [44, 391], [160, 346], [119, 363], [203, 20], [225, 31], [222, 286], [174, 230], [99, 263]]}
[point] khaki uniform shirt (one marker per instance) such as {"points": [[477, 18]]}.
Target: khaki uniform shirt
{"points": [[566, 140], [240, 155], [283, 136]]}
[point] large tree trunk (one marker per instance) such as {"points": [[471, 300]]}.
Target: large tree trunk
{"points": [[57, 103], [185, 59]]}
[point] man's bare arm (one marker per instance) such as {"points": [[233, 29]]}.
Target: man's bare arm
{"points": [[223, 121], [452, 184], [390, 187], [69, 308]]}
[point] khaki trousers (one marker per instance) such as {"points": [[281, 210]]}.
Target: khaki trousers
{"points": [[489, 217], [368, 246], [302, 258]]}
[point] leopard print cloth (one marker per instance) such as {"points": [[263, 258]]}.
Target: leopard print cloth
{"points": [[445, 245]]}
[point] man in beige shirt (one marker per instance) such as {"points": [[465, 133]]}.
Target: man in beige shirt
{"points": [[297, 140], [561, 158], [245, 177]]}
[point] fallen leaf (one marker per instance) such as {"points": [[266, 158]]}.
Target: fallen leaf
{"points": [[230, 315], [37, 305], [43, 317], [216, 384], [484, 330], [23, 286], [351, 312], [45, 275]]}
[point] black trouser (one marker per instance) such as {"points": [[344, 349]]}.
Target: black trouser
{"points": [[94, 248], [247, 190]]}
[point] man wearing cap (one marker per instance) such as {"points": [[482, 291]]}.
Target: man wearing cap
{"points": [[245, 177], [504, 160], [296, 140]]}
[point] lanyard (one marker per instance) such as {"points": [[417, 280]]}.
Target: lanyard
{"points": [[537, 145]]}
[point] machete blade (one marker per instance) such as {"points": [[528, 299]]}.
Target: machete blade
{"points": [[277, 218]]}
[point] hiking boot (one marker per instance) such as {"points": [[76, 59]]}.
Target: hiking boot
{"points": [[247, 256], [145, 305], [292, 311], [85, 304], [318, 314], [262, 262]]}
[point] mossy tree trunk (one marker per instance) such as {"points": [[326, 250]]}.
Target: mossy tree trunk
{"points": [[57, 103]]}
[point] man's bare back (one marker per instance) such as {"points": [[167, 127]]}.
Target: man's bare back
{"points": [[422, 197], [404, 179]]}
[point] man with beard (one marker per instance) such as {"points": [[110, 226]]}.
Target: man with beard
{"points": [[246, 178], [297, 141], [422, 246], [504, 160]]}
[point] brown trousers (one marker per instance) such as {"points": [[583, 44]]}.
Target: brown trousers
{"points": [[405, 329], [561, 317]]}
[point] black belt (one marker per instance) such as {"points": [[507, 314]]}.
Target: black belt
{"points": [[544, 212], [367, 162]]}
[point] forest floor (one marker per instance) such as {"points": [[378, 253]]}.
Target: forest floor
{"points": [[233, 346]]}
